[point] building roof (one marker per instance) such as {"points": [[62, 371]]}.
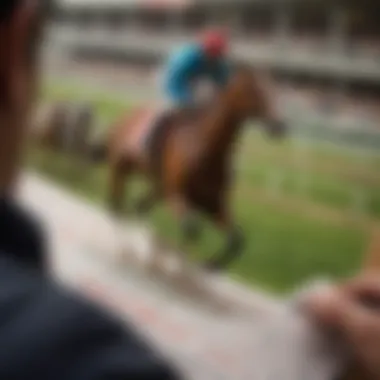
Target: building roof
{"points": [[72, 4], [170, 4]]}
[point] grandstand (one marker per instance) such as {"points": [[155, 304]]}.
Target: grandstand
{"points": [[325, 55]]}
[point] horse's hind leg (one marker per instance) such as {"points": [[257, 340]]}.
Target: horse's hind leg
{"points": [[190, 229], [178, 265], [118, 176], [135, 240], [235, 241]]}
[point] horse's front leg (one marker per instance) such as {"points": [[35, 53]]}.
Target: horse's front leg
{"points": [[189, 227], [118, 175], [179, 265], [235, 241], [146, 203]]}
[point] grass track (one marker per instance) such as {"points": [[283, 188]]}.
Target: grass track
{"points": [[285, 245]]}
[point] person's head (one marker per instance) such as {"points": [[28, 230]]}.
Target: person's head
{"points": [[20, 26], [214, 43]]}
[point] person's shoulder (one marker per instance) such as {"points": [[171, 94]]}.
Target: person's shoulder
{"points": [[77, 335], [21, 234]]}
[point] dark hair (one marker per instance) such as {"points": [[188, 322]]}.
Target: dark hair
{"points": [[6, 8]]}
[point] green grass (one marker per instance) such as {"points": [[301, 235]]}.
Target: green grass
{"points": [[107, 106], [284, 246]]}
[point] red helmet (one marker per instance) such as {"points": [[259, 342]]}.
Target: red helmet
{"points": [[214, 43]]}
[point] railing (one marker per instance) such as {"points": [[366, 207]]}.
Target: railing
{"points": [[361, 64], [310, 124]]}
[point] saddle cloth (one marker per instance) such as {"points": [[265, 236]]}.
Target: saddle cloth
{"points": [[150, 132], [144, 121]]}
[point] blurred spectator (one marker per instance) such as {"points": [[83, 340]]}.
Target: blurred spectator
{"points": [[46, 332], [352, 310]]}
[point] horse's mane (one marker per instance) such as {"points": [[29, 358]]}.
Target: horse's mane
{"points": [[7, 7], [262, 77]]}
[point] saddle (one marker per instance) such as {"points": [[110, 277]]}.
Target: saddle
{"points": [[161, 129]]}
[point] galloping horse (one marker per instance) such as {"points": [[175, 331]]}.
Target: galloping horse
{"points": [[64, 127], [189, 165]]}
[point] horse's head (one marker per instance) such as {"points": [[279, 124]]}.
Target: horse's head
{"points": [[250, 98]]}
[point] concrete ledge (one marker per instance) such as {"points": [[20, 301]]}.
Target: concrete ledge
{"points": [[91, 226]]}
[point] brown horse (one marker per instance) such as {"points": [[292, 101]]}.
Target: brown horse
{"points": [[64, 127], [190, 164]]}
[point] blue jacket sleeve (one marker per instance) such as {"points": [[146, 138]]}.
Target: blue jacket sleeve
{"points": [[182, 93], [181, 65]]}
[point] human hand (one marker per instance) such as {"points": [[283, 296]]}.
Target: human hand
{"points": [[352, 309]]}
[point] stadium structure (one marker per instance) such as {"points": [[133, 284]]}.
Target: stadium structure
{"points": [[325, 53]]}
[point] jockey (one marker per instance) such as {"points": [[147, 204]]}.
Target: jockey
{"points": [[204, 59]]}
